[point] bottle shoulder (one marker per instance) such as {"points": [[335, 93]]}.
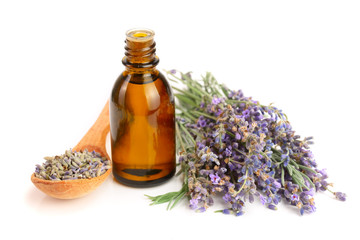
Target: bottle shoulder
{"points": [[145, 91], [142, 78]]}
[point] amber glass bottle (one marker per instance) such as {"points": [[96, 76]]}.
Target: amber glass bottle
{"points": [[142, 116]]}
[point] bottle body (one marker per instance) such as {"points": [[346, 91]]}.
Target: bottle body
{"points": [[142, 127]]}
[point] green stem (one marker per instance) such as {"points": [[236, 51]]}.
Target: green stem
{"points": [[188, 93], [185, 99], [198, 90], [307, 168], [264, 155], [186, 117], [307, 177], [224, 90], [204, 114], [241, 152], [176, 198], [329, 190], [179, 137], [186, 113], [241, 188], [230, 134], [294, 163], [190, 80], [188, 133]]}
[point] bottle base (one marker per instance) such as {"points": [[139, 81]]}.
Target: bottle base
{"points": [[143, 184]]}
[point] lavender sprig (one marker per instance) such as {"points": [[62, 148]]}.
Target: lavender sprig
{"points": [[232, 145]]}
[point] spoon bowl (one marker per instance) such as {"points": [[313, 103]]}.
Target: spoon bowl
{"points": [[69, 189], [94, 140]]}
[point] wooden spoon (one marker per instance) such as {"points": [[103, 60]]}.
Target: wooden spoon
{"points": [[94, 140]]}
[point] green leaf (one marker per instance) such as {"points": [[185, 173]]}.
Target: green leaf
{"points": [[290, 170], [161, 198], [184, 99], [188, 133], [188, 94], [203, 114], [307, 168], [224, 90], [172, 197], [307, 177], [294, 163], [176, 199]]}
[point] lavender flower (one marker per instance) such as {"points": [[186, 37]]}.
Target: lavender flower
{"points": [[232, 145], [215, 179], [341, 196], [216, 101]]}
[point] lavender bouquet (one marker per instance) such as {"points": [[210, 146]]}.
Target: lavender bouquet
{"points": [[232, 145]]}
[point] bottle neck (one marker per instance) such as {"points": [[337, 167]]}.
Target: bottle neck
{"points": [[140, 51]]}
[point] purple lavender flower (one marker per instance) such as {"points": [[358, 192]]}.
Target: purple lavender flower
{"points": [[310, 192], [272, 207], [294, 198], [215, 179], [323, 173], [228, 151], [201, 122], [227, 198], [239, 213], [307, 208], [194, 203], [200, 210], [341, 196], [262, 199], [226, 211], [206, 155], [181, 158], [216, 100], [243, 149], [236, 94]]}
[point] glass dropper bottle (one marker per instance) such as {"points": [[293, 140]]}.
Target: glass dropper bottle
{"points": [[142, 116]]}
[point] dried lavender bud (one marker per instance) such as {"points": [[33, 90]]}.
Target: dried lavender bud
{"points": [[73, 165]]}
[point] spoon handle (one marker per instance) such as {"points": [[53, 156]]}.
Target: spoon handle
{"points": [[95, 138]]}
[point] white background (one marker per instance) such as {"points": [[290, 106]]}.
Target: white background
{"points": [[59, 60]]}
